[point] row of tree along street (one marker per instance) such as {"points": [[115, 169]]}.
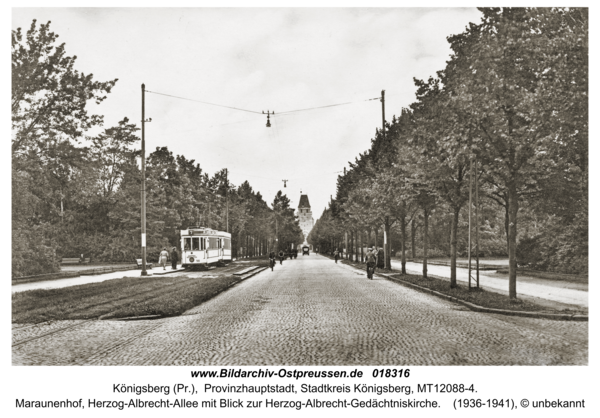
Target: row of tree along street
{"points": [[512, 103], [73, 193]]}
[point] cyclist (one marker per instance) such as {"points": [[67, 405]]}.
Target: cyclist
{"points": [[281, 256], [371, 262], [272, 259]]}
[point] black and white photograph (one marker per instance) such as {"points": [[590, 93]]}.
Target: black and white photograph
{"points": [[303, 195]]}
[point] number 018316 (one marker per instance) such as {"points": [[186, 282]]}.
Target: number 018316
{"points": [[391, 372]]}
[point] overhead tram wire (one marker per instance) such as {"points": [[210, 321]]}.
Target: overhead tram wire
{"points": [[274, 179], [200, 101], [323, 107], [261, 113]]}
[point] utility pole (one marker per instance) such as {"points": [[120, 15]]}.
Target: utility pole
{"points": [[473, 177], [346, 232], [144, 272], [386, 250], [477, 222], [470, 210], [227, 200], [383, 112]]}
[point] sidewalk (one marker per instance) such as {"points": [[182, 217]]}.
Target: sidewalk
{"points": [[74, 281], [558, 292]]}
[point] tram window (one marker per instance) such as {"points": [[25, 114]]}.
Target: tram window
{"points": [[186, 244], [195, 244]]}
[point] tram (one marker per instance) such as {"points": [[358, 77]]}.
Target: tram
{"points": [[204, 246]]}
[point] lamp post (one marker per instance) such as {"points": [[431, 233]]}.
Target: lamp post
{"points": [[144, 272]]}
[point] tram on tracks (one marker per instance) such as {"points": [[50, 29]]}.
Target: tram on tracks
{"points": [[204, 246]]}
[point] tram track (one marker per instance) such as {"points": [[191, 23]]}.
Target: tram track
{"points": [[83, 321], [158, 292], [118, 344], [55, 331]]}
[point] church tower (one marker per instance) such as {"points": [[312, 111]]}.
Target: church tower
{"points": [[305, 216]]}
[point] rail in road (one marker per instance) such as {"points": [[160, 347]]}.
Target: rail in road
{"points": [[312, 311], [554, 293]]}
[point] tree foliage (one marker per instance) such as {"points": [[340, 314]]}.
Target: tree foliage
{"points": [[76, 193], [513, 99]]}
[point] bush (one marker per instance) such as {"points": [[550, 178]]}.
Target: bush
{"points": [[561, 248], [30, 254], [567, 247], [530, 252]]}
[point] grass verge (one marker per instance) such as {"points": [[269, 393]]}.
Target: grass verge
{"points": [[478, 297], [120, 298]]}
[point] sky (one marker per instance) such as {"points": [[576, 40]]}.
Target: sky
{"points": [[267, 59]]}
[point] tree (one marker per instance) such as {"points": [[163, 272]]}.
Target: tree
{"points": [[511, 66], [288, 229], [443, 151], [48, 112], [49, 96]]}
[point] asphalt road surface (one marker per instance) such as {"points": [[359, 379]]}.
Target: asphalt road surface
{"points": [[311, 311]]}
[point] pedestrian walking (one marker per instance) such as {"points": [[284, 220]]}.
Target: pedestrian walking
{"points": [[174, 258], [371, 258], [281, 255], [380, 258], [336, 255], [272, 259], [163, 258]]}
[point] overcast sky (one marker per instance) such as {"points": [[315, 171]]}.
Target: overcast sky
{"points": [[258, 60]]}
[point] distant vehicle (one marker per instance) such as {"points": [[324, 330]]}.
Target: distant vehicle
{"points": [[306, 250], [204, 246]]}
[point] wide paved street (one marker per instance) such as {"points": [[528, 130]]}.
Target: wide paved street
{"points": [[311, 311]]}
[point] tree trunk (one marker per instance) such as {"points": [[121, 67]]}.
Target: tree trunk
{"points": [[506, 228], [453, 247], [413, 232], [352, 246], [346, 245], [360, 243], [386, 244], [425, 240], [403, 242], [513, 208]]}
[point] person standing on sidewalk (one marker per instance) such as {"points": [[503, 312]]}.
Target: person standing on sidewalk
{"points": [[174, 258], [163, 257]]}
